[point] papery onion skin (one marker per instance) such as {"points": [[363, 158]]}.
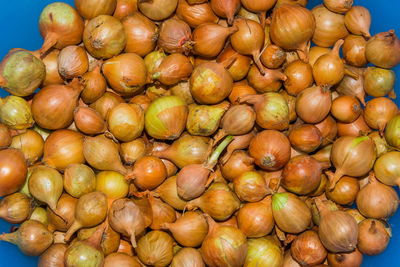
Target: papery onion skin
{"points": [[121, 260], [240, 65], [157, 9], [392, 133], [15, 113], [379, 111], [149, 172], [354, 50], [356, 128], [270, 81], [351, 86], [358, 21], [299, 77], [264, 250], [13, 170], [387, 170], [72, 62], [126, 121], [313, 104], [63, 216], [250, 186], [31, 145], [175, 36], [168, 193], [373, 237], [132, 151], [187, 257], [5, 136], [106, 102], [338, 6], [173, 69], [273, 56], [125, 8], [89, 121], [196, 14], [307, 249], [351, 259], [226, 9], [155, 248], [346, 109], [345, 191], [90, 9], [383, 50], [238, 163], [306, 137], [112, 183], [15, 208], [79, 179], [53, 256], [379, 82], [21, 73]]}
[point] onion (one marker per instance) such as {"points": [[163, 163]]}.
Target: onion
{"points": [[239, 163], [62, 148], [173, 69], [345, 191], [329, 28], [175, 36], [168, 193], [273, 56], [21, 73], [5, 136], [292, 27], [379, 111], [324, 154], [373, 238], [60, 25], [352, 86], [189, 230], [382, 50], [265, 250], [31, 145], [132, 151], [341, 6], [203, 120], [302, 174], [15, 112], [15, 208], [125, 8], [162, 213], [239, 142], [112, 183], [376, 200], [63, 216], [53, 106], [386, 168], [90, 9], [187, 257], [53, 256], [89, 121], [32, 238], [316, 52], [72, 62], [186, 150], [94, 85], [346, 108], [270, 150], [155, 248], [79, 179], [351, 259], [380, 143], [329, 69], [271, 80], [126, 121], [237, 64], [195, 14], [141, 34], [356, 128], [106, 102], [126, 73], [248, 40], [157, 9], [392, 133], [218, 201], [100, 41], [291, 214], [142, 100], [90, 210], [347, 159], [313, 104], [121, 260], [256, 219], [337, 230], [307, 249], [250, 186], [305, 138], [226, 9], [379, 82], [148, 173], [358, 21], [166, 118], [223, 245], [299, 77], [288, 260], [102, 153]]}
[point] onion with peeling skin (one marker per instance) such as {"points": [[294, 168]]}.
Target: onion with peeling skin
{"points": [[195, 14]]}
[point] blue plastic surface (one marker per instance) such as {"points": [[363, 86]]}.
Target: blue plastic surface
{"points": [[19, 20]]}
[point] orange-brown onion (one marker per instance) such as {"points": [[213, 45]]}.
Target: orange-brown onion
{"points": [[168, 192], [125, 73], [354, 50], [356, 128], [15, 208], [62, 217], [31, 145], [173, 69], [346, 108], [148, 173], [237, 120], [89, 121], [250, 186], [210, 83], [13, 170], [329, 28], [382, 50], [155, 248], [72, 62], [51, 63], [187, 257], [53, 256], [195, 14], [273, 56], [240, 90], [106, 102], [238, 64], [94, 85], [133, 150], [305, 138], [379, 111], [237, 164], [60, 25], [92, 8], [270, 81], [386, 168], [157, 9], [373, 237], [141, 34], [104, 37], [338, 6], [291, 101], [307, 249], [125, 8], [126, 121], [350, 259], [358, 21], [299, 77], [292, 27], [315, 52], [225, 9], [79, 179], [121, 260], [345, 191], [270, 150], [313, 104], [62, 148], [53, 106], [175, 36], [352, 86], [379, 82]]}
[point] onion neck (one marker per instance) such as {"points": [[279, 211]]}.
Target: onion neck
{"points": [[213, 159], [212, 225], [322, 208], [336, 48], [76, 225], [251, 99], [256, 58], [10, 237], [334, 178], [95, 239], [303, 51], [50, 40]]}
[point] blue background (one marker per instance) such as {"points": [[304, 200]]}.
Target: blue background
{"points": [[19, 29]]}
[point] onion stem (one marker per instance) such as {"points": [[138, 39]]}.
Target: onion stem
{"points": [[212, 161]]}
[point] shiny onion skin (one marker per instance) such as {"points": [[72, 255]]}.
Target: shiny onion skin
{"points": [[354, 50], [313, 104], [13, 170], [195, 14], [93, 8], [382, 50], [225, 9]]}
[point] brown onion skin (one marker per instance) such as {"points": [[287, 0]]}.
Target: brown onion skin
{"points": [[238, 120], [302, 174], [195, 14], [373, 237], [149, 172], [316, 52], [354, 50], [51, 63], [31, 145], [250, 186], [121, 260], [126, 73], [356, 128], [240, 90], [100, 41], [237, 64], [5, 136], [89, 121], [15, 208], [328, 129], [94, 85], [237, 164], [141, 34], [162, 213], [305, 138], [175, 36], [313, 104], [270, 81], [341, 6], [225, 9], [358, 21], [72, 62], [92, 8], [187, 257], [292, 27], [63, 216], [106, 102], [288, 260], [351, 259], [299, 77], [307, 249], [346, 108], [53, 106], [60, 25], [13, 170], [379, 111], [125, 8], [157, 9], [210, 83], [126, 121], [53, 256], [173, 69], [345, 191], [168, 192], [273, 56], [329, 27], [155, 248], [382, 50], [270, 150]]}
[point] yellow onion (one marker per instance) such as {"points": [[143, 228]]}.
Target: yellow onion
{"points": [[112, 183], [60, 25], [53, 256], [168, 193], [31, 145], [392, 133], [346, 109], [21, 73], [175, 36], [92, 8], [110, 239], [104, 37], [382, 50], [313, 104], [79, 179], [72, 62], [379, 111], [162, 213], [106, 102], [373, 237], [338, 6], [349, 259], [126, 73], [155, 248], [270, 81], [264, 251], [89, 121], [120, 259], [94, 85], [237, 163], [13, 171], [126, 121], [273, 56], [299, 77], [315, 52], [381, 145], [148, 173], [173, 69], [386, 168], [237, 64], [226, 9], [195, 14], [15, 113], [15, 208], [329, 28], [250, 186], [351, 86], [223, 246], [305, 137], [307, 249], [39, 214], [5, 136], [157, 9], [358, 21], [63, 216], [125, 8], [187, 257], [292, 27], [132, 151], [379, 82], [62, 148], [291, 214]]}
